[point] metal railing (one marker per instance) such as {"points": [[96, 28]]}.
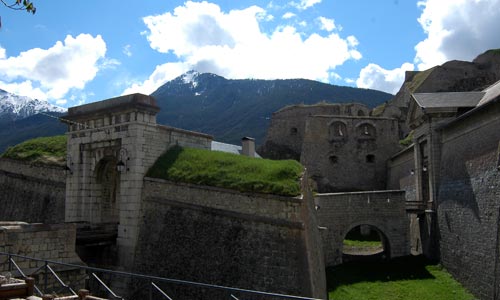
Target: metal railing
{"points": [[152, 280]]}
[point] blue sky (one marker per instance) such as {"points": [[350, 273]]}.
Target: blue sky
{"points": [[77, 52]]}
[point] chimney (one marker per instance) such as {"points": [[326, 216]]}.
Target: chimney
{"points": [[248, 146]]}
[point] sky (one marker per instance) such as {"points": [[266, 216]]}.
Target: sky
{"points": [[75, 52]]}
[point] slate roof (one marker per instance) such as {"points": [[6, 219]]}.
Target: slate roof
{"points": [[228, 148], [490, 93], [454, 99]]}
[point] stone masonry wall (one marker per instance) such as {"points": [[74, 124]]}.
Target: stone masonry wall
{"points": [[31, 193], [54, 242], [286, 132], [344, 154], [229, 238], [132, 137], [401, 173], [468, 206], [341, 212]]}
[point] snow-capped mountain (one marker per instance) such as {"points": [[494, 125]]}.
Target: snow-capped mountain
{"points": [[13, 107], [232, 108]]}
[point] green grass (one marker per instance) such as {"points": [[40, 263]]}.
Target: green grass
{"points": [[213, 168], [362, 244], [47, 150], [494, 51], [412, 278], [357, 240]]}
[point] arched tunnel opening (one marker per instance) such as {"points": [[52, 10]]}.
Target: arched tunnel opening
{"points": [[365, 243]]}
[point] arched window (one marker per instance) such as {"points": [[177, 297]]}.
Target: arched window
{"points": [[366, 130], [361, 113], [293, 131], [338, 130], [333, 159], [370, 158]]}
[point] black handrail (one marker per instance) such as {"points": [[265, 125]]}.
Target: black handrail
{"points": [[161, 279]]}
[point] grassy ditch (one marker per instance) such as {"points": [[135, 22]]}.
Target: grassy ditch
{"points": [[46, 150], [225, 170], [402, 278], [355, 241]]}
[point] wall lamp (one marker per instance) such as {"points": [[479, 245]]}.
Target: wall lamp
{"points": [[121, 166]]}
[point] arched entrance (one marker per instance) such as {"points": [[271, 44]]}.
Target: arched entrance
{"points": [[365, 242], [108, 189]]}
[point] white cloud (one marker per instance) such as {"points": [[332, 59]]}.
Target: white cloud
{"points": [[108, 63], [327, 24], [304, 4], [232, 45], [161, 74], [24, 88], [126, 50], [457, 29], [3, 53], [51, 73], [375, 77], [288, 15]]}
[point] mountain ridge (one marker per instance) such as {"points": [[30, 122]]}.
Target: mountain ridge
{"points": [[229, 109], [14, 107]]}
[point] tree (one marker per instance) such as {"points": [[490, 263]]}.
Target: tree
{"points": [[20, 5]]}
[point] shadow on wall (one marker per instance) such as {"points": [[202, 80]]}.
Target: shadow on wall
{"points": [[458, 191], [165, 162]]}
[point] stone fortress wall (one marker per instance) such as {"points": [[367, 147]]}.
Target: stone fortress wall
{"points": [[220, 236], [349, 153], [468, 209], [449, 176], [187, 224], [332, 140], [286, 133], [462, 218], [31, 193], [54, 242]]}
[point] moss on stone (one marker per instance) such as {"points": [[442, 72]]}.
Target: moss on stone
{"points": [[408, 140], [419, 78]]}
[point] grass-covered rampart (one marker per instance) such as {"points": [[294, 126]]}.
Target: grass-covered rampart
{"points": [[225, 170], [47, 150]]}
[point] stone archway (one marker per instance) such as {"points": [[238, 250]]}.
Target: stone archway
{"points": [[365, 242], [107, 180]]}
